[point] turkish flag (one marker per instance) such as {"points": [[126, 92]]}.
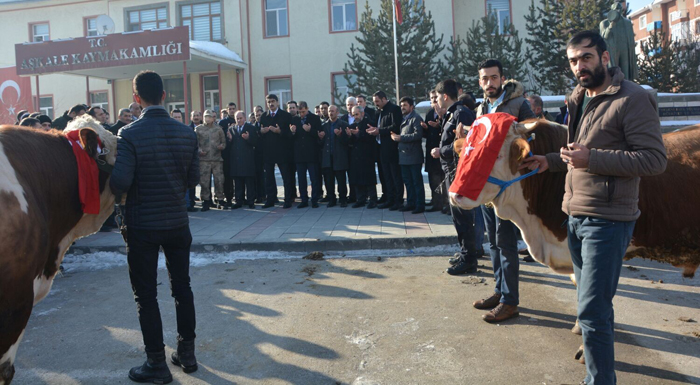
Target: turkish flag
{"points": [[481, 149], [399, 14], [15, 94]]}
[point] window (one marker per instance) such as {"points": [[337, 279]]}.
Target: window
{"points": [[697, 27], [204, 20], [276, 18], [697, 2], [675, 15], [679, 31], [91, 27], [642, 22], [40, 32], [344, 15], [282, 87], [154, 18], [46, 105], [500, 9], [210, 92], [340, 86], [99, 99], [174, 93]]}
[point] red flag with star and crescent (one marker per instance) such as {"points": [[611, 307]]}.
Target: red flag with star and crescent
{"points": [[15, 94], [399, 13], [481, 148]]}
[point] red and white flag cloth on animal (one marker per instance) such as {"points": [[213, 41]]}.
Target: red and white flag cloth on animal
{"points": [[481, 148], [88, 175]]}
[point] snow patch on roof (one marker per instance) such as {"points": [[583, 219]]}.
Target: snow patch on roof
{"points": [[215, 49]]}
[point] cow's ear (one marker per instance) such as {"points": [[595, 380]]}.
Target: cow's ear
{"points": [[519, 150], [88, 138], [458, 146]]}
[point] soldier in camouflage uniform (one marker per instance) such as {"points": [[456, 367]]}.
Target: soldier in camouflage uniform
{"points": [[211, 140]]}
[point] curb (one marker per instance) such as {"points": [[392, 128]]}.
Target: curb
{"points": [[309, 245]]}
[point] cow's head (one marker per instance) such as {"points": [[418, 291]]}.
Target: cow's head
{"points": [[549, 137]]}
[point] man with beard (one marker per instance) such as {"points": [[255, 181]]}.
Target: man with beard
{"points": [[195, 118], [277, 141], [292, 108], [501, 96], [305, 128], [614, 139], [362, 173], [389, 121], [431, 132]]}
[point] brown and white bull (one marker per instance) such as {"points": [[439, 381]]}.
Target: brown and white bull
{"points": [[668, 229], [41, 217]]}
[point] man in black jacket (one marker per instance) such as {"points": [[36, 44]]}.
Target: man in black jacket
{"points": [[305, 128], [225, 123], [61, 122], [242, 137], [432, 131], [156, 162], [334, 156], [277, 141], [124, 119], [389, 121]]}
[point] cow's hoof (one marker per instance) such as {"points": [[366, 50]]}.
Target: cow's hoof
{"points": [[579, 355], [7, 371], [576, 329]]}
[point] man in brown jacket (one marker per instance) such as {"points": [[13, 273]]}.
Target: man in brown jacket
{"points": [[614, 139]]}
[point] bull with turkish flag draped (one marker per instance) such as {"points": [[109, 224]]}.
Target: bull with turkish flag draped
{"points": [[479, 154]]}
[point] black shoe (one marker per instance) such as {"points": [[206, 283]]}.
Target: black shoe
{"points": [[192, 209], [462, 268], [403, 209], [352, 200], [446, 210], [303, 205], [332, 203], [386, 205], [357, 205], [528, 258], [184, 356], [396, 207], [343, 204], [196, 198], [371, 205], [205, 206], [251, 206], [382, 199], [455, 259], [325, 199], [286, 205], [260, 200], [276, 200], [268, 204], [154, 370], [314, 205], [236, 206], [418, 210], [433, 209]]}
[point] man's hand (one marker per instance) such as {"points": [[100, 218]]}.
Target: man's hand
{"points": [[577, 155], [293, 128], [202, 153], [434, 124], [264, 130], [321, 134], [374, 131], [221, 146], [245, 135], [306, 127], [395, 137], [422, 124], [459, 132], [356, 131], [348, 131], [276, 129], [534, 162], [435, 153], [229, 136], [338, 131]]}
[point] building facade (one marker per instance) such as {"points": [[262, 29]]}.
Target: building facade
{"points": [[678, 19], [245, 48]]}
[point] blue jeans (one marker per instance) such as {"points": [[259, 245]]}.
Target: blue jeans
{"points": [[413, 179], [479, 229], [503, 239], [597, 247]]}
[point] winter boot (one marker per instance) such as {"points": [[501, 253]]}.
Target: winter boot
{"points": [[205, 206], [184, 356], [154, 370]]}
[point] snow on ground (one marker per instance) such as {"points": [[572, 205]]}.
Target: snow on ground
{"points": [[106, 260]]}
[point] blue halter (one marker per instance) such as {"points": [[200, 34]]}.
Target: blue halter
{"points": [[503, 184]]}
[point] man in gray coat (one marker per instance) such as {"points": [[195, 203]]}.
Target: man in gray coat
{"points": [[411, 156]]}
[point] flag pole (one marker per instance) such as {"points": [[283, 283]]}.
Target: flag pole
{"points": [[396, 55]]}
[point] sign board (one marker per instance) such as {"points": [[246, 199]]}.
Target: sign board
{"points": [[15, 95], [119, 49]]}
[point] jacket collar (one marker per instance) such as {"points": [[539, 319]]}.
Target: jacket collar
{"points": [[511, 89]]}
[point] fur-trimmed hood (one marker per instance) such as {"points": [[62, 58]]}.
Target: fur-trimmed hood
{"points": [[513, 89]]}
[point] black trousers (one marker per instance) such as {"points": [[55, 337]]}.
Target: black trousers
{"points": [[245, 184], [393, 181], [463, 221], [331, 177], [314, 178], [382, 180], [287, 171], [192, 192], [260, 180], [143, 273], [435, 178], [366, 192], [228, 187]]}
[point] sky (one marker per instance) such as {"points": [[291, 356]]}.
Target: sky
{"points": [[636, 4]]}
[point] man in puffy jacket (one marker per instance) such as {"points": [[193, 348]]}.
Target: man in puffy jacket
{"points": [[157, 161]]}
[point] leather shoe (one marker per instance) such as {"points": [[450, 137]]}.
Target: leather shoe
{"points": [[462, 267], [314, 205], [332, 203], [501, 313], [236, 206], [154, 370], [268, 204], [434, 209], [418, 210], [303, 205], [386, 205], [343, 204], [286, 205], [403, 209], [251, 206], [382, 199], [446, 210], [357, 205], [488, 303], [372, 205], [325, 199], [395, 207]]}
